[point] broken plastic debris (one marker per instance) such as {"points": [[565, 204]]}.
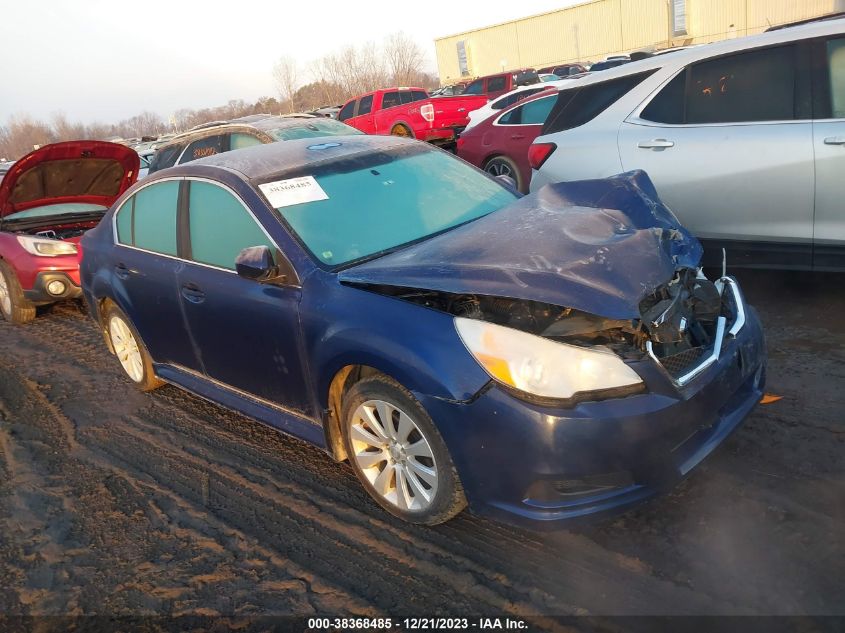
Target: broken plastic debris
{"points": [[769, 398]]}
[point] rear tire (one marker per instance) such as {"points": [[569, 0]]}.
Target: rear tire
{"points": [[504, 166], [130, 350], [400, 129], [14, 306], [398, 454]]}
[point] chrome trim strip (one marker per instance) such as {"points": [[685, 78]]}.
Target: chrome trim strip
{"points": [[235, 391], [740, 307], [721, 322]]}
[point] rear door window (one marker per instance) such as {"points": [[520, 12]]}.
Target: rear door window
{"points": [[757, 85], [577, 106], [366, 105], [496, 84], [148, 221], [531, 113], [390, 100], [220, 226], [835, 80], [208, 146], [418, 95]]}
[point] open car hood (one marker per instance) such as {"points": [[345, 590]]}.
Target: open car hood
{"points": [[95, 172], [599, 246]]}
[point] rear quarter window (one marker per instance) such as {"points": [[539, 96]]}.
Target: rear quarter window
{"points": [[578, 106]]}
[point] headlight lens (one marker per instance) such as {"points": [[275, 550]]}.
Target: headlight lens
{"points": [[44, 247], [541, 367]]}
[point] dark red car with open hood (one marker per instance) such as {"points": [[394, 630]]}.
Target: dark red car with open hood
{"points": [[48, 199]]}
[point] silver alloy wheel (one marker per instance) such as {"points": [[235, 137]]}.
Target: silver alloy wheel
{"points": [[5, 297], [126, 348], [499, 168], [394, 455]]}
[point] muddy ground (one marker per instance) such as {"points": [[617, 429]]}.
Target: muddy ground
{"points": [[117, 502]]}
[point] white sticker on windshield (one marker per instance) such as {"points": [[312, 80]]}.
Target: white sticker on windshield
{"points": [[284, 193]]}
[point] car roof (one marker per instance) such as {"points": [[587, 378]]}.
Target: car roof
{"points": [[260, 161], [256, 122], [681, 58]]}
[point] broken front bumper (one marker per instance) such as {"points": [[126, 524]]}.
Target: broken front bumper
{"points": [[535, 465]]}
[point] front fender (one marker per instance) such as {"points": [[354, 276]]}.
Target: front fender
{"points": [[417, 346]]}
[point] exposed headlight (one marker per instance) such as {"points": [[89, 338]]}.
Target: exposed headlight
{"points": [[541, 367], [44, 247]]}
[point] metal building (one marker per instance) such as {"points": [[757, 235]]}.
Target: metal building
{"points": [[593, 30]]}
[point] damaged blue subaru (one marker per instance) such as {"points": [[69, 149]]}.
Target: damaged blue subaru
{"points": [[538, 359]]}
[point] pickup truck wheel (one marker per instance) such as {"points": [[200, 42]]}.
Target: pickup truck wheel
{"points": [[401, 130], [504, 166], [398, 454], [13, 304]]}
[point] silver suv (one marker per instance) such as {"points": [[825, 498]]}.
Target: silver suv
{"points": [[744, 140]]}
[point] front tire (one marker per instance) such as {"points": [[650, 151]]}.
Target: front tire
{"points": [[130, 350], [398, 454], [14, 306]]}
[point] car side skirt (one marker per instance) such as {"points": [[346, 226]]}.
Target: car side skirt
{"points": [[284, 420], [751, 254]]}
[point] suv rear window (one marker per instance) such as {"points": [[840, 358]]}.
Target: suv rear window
{"points": [[580, 105]]}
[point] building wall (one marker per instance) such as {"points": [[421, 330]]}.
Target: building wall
{"points": [[593, 30]]}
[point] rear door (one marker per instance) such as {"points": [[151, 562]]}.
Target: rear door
{"points": [[829, 146], [144, 276], [246, 334], [728, 144]]}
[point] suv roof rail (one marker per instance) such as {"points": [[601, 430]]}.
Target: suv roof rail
{"points": [[821, 18]]}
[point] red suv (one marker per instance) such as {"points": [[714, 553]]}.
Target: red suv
{"points": [[48, 199]]}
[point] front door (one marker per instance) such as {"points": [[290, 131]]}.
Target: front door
{"points": [[728, 145], [247, 334]]}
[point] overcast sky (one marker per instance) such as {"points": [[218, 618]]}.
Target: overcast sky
{"points": [[106, 60]]}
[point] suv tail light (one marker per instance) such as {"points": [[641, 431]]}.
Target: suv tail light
{"points": [[427, 112], [539, 152]]}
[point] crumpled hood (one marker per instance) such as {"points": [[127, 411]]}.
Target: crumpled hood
{"points": [[96, 172], [599, 246]]}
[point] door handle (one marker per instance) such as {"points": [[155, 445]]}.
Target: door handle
{"points": [[656, 144], [121, 271], [192, 293], [835, 140], [517, 137]]}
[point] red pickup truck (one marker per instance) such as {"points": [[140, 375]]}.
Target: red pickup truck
{"points": [[410, 112]]}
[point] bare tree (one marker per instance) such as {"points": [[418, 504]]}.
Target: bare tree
{"points": [[285, 74], [404, 59]]}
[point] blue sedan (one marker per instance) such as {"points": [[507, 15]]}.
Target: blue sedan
{"points": [[538, 358]]}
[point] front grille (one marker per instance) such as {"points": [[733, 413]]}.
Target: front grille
{"points": [[679, 364]]}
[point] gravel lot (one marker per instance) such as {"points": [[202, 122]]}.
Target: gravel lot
{"points": [[117, 502]]}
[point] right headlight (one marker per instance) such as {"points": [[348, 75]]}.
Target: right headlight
{"points": [[540, 367]]}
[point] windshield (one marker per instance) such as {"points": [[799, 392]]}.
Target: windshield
{"points": [[312, 128], [370, 204], [56, 209]]}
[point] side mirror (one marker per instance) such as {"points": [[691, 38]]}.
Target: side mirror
{"points": [[256, 263], [507, 181]]}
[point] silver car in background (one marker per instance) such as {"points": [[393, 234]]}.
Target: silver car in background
{"points": [[744, 140]]}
